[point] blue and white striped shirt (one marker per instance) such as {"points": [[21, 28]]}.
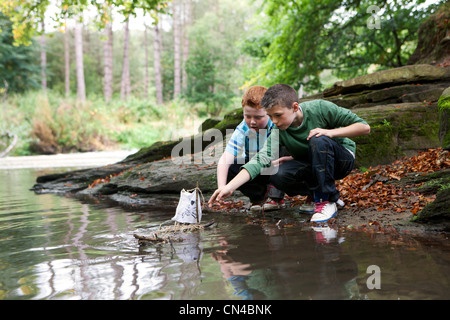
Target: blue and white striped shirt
{"points": [[245, 143]]}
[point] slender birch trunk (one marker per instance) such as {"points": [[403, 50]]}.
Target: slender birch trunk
{"points": [[66, 61], [43, 58], [108, 62], [176, 49], [187, 21], [125, 87], [146, 78], [157, 64], [81, 89]]}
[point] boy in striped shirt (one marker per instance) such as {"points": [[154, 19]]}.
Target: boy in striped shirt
{"points": [[247, 139]]}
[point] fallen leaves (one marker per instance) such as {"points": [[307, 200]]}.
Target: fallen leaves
{"points": [[98, 181], [228, 205], [373, 188], [103, 180], [378, 188]]}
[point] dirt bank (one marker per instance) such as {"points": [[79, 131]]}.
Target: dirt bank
{"points": [[350, 218]]}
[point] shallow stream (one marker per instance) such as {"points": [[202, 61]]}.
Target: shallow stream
{"points": [[56, 247]]}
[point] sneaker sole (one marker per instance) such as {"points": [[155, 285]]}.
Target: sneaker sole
{"points": [[272, 208], [319, 221]]}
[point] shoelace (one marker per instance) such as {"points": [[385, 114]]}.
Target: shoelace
{"points": [[272, 201], [320, 206]]}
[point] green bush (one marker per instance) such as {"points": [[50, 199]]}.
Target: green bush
{"points": [[49, 122]]}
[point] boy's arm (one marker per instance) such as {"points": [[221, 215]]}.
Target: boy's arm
{"points": [[263, 159], [234, 148], [280, 161], [224, 192], [224, 163], [343, 123], [354, 130]]}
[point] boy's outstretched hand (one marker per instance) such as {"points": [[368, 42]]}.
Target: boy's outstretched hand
{"points": [[227, 190], [220, 194]]}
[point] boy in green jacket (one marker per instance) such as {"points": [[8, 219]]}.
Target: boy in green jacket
{"points": [[247, 139], [317, 135]]}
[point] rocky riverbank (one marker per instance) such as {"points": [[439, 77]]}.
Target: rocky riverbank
{"points": [[158, 183], [407, 109]]}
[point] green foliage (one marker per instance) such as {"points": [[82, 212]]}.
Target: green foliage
{"points": [[301, 38], [67, 125], [28, 15], [444, 102], [205, 83], [216, 66], [299, 42], [94, 62], [201, 70], [439, 184], [25, 17], [19, 70]]}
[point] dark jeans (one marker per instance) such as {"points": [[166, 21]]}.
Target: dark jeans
{"points": [[327, 162], [257, 189]]}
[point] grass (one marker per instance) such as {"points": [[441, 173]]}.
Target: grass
{"points": [[49, 122]]}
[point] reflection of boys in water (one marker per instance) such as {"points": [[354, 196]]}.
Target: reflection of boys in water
{"points": [[236, 273], [272, 265], [338, 271]]}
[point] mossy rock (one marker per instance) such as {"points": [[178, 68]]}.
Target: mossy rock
{"points": [[156, 151], [163, 176], [397, 76], [397, 130], [231, 120], [433, 45], [436, 212], [444, 119], [164, 149], [208, 124]]}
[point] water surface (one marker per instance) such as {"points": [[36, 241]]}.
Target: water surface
{"points": [[56, 247]]}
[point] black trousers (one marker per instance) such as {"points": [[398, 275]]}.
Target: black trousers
{"points": [[257, 189], [327, 162]]}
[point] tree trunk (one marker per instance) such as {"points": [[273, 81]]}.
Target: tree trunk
{"points": [[125, 87], [43, 58], [157, 65], [81, 89], [187, 20], [108, 63], [146, 63], [66, 61], [176, 49]]}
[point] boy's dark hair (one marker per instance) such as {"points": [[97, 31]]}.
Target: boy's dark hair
{"points": [[252, 97], [279, 94]]}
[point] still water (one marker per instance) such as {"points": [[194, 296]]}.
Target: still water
{"points": [[56, 247]]}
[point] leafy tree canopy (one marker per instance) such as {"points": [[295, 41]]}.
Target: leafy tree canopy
{"points": [[26, 16], [19, 70], [299, 39]]}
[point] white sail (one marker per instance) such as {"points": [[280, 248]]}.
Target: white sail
{"points": [[189, 209]]}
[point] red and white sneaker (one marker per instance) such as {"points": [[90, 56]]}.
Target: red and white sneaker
{"points": [[308, 206], [256, 207], [324, 234], [274, 204], [324, 211]]}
